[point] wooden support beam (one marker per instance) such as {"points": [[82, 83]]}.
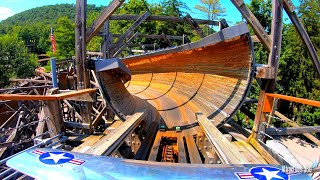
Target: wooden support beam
{"points": [[264, 153], [25, 88], [223, 24], [154, 36], [254, 23], [193, 151], [226, 151], [295, 99], [289, 8], [132, 28], [19, 97], [83, 75], [109, 143], [134, 17], [123, 46], [51, 115], [99, 116], [32, 81], [155, 147], [77, 125], [194, 25], [166, 39], [293, 124], [276, 35], [181, 149], [292, 130], [98, 23]]}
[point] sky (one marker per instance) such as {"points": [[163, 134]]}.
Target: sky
{"points": [[10, 7]]}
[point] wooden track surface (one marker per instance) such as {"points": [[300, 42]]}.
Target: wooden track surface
{"points": [[212, 75]]}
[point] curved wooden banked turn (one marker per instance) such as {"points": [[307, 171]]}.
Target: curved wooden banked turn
{"points": [[212, 75]]}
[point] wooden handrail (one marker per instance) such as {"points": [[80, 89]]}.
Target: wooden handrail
{"points": [[295, 99], [18, 97]]}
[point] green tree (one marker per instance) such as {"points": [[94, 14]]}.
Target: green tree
{"points": [[14, 59], [297, 74], [65, 37], [212, 9]]}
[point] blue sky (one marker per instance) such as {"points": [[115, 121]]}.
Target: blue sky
{"points": [[11, 7]]}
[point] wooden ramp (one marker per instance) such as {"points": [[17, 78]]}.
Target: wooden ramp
{"points": [[212, 75]]}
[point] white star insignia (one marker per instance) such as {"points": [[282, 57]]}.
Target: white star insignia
{"points": [[269, 174], [56, 157]]}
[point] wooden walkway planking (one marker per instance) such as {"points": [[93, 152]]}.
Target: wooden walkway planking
{"points": [[227, 152], [107, 144], [193, 151], [249, 152], [89, 141]]}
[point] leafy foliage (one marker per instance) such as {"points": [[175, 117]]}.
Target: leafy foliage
{"points": [[14, 59]]}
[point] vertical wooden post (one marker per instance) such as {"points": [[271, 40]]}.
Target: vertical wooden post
{"points": [[105, 40], [268, 85], [83, 75]]}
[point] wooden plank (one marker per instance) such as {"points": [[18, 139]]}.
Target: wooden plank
{"points": [[112, 141], [132, 28], [134, 17], [181, 149], [289, 8], [126, 44], [293, 124], [99, 116], [88, 142], [295, 99], [166, 39], [254, 23], [31, 80], [264, 153], [194, 25], [19, 97], [77, 125], [249, 152], [155, 147], [225, 150], [154, 36], [276, 35], [193, 151], [105, 14], [292, 130]]}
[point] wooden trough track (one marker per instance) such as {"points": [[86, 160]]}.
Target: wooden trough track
{"points": [[212, 75]]}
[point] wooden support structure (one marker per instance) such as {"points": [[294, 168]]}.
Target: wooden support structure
{"points": [[289, 8], [225, 150], [155, 147], [123, 46], [51, 97], [154, 36], [98, 23], [268, 85], [166, 39], [194, 25], [134, 17], [83, 75], [181, 149], [51, 116], [292, 130], [130, 30], [293, 124], [109, 143], [254, 23], [192, 148]]}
